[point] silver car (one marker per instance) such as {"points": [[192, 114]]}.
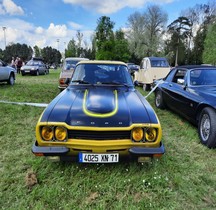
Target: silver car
{"points": [[34, 67], [7, 73]]}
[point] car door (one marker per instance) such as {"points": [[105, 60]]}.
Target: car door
{"points": [[3, 72], [178, 96]]}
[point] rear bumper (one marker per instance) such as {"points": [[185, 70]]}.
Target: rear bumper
{"points": [[62, 151]]}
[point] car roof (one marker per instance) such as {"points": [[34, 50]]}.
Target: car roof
{"points": [[157, 58], [75, 58], [102, 62], [196, 66], [37, 59]]}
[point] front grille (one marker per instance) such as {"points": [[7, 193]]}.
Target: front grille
{"points": [[98, 135]]}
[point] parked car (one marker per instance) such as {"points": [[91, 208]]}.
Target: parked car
{"points": [[94, 120], [151, 68], [35, 66], [67, 70], [191, 92], [132, 67], [7, 73]]}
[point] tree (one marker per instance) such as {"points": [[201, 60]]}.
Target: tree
{"points": [[1, 54], [201, 16], [80, 50], [51, 55], [121, 48], [155, 20], [209, 53], [181, 29], [146, 31], [104, 37], [37, 52], [71, 50], [18, 50]]}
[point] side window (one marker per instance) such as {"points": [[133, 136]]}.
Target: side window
{"points": [[148, 64], [180, 74], [142, 64]]}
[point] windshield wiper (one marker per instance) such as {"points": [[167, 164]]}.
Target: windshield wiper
{"points": [[81, 81], [115, 83]]}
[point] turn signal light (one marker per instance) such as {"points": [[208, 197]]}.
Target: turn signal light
{"points": [[62, 81], [47, 133], [137, 134], [60, 133]]}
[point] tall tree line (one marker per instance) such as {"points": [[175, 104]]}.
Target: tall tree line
{"points": [[190, 39]]}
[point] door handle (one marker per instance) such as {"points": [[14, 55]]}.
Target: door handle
{"points": [[170, 85]]}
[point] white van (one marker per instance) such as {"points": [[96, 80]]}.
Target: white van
{"points": [[151, 68]]}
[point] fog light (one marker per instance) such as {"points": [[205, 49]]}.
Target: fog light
{"points": [[137, 134], [151, 134], [47, 133], [60, 133]]}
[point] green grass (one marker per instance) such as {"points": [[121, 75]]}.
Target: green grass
{"points": [[184, 178]]}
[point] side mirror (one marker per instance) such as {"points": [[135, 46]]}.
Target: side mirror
{"points": [[180, 81], [136, 83]]}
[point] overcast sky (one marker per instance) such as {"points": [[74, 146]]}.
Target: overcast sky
{"points": [[43, 22]]}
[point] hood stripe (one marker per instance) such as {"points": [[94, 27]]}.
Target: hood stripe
{"points": [[93, 114]]}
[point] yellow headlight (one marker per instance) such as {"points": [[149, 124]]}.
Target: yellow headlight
{"points": [[137, 134], [151, 134], [60, 133], [47, 133]]}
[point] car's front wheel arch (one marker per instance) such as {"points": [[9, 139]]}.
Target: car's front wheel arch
{"points": [[207, 127]]}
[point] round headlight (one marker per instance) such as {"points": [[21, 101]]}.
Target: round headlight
{"points": [[151, 134], [137, 134], [60, 133], [47, 133]]}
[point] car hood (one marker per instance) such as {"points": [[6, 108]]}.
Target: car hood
{"points": [[100, 107]]}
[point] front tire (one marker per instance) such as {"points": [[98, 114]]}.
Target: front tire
{"points": [[11, 80], [207, 127], [159, 101], [146, 87]]}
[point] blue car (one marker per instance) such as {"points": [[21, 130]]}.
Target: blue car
{"points": [[99, 118], [190, 91]]}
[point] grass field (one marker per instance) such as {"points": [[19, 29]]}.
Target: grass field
{"points": [[185, 177]]}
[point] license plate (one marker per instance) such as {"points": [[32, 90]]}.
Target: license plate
{"points": [[27, 71], [98, 158]]}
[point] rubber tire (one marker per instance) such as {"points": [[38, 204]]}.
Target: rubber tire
{"points": [[159, 101], [22, 73], [146, 87], [37, 73], [207, 118], [11, 80]]}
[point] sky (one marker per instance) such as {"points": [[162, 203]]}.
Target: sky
{"points": [[55, 22]]}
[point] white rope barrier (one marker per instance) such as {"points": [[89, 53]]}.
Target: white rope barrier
{"points": [[25, 103], [152, 90]]}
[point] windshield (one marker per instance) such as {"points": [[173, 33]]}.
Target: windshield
{"points": [[70, 64], [110, 74], [203, 77], [159, 63], [33, 63]]}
